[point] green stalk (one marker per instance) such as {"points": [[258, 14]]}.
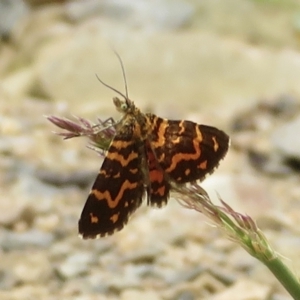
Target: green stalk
{"points": [[284, 276]]}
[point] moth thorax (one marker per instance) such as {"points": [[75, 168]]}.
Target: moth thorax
{"points": [[142, 127]]}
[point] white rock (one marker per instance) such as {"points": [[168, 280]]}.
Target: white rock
{"points": [[75, 264], [244, 290], [285, 139], [32, 268]]}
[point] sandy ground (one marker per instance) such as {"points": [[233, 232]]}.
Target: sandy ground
{"points": [[233, 66]]}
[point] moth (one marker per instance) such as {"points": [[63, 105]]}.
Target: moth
{"points": [[147, 154]]}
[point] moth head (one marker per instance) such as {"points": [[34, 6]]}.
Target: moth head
{"points": [[123, 106]]}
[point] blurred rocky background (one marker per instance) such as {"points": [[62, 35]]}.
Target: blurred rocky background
{"points": [[233, 64]]}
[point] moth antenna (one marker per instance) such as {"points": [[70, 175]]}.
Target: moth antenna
{"points": [[111, 88], [123, 72], [124, 78]]}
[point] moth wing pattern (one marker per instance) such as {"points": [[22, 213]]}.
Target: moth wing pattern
{"points": [[159, 187], [187, 151], [117, 191]]}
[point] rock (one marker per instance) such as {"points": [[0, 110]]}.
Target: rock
{"points": [[19, 83], [14, 211], [244, 193], [185, 275], [47, 223], [33, 268], [240, 260], [29, 239], [149, 16], [26, 292], [7, 279], [130, 294], [185, 295], [17, 209], [255, 291], [10, 14], [75, 264], [36, 198], [284, 139], [128, 277]]}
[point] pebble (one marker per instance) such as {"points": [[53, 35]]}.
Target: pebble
{"points": [[185, 275], [131, 294], [11, 12], [26, 292], [283, 139], [127, 277], [255, 291], [32, 268], [185, 295], [32, 238], [14, 211], [75, 265]]}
